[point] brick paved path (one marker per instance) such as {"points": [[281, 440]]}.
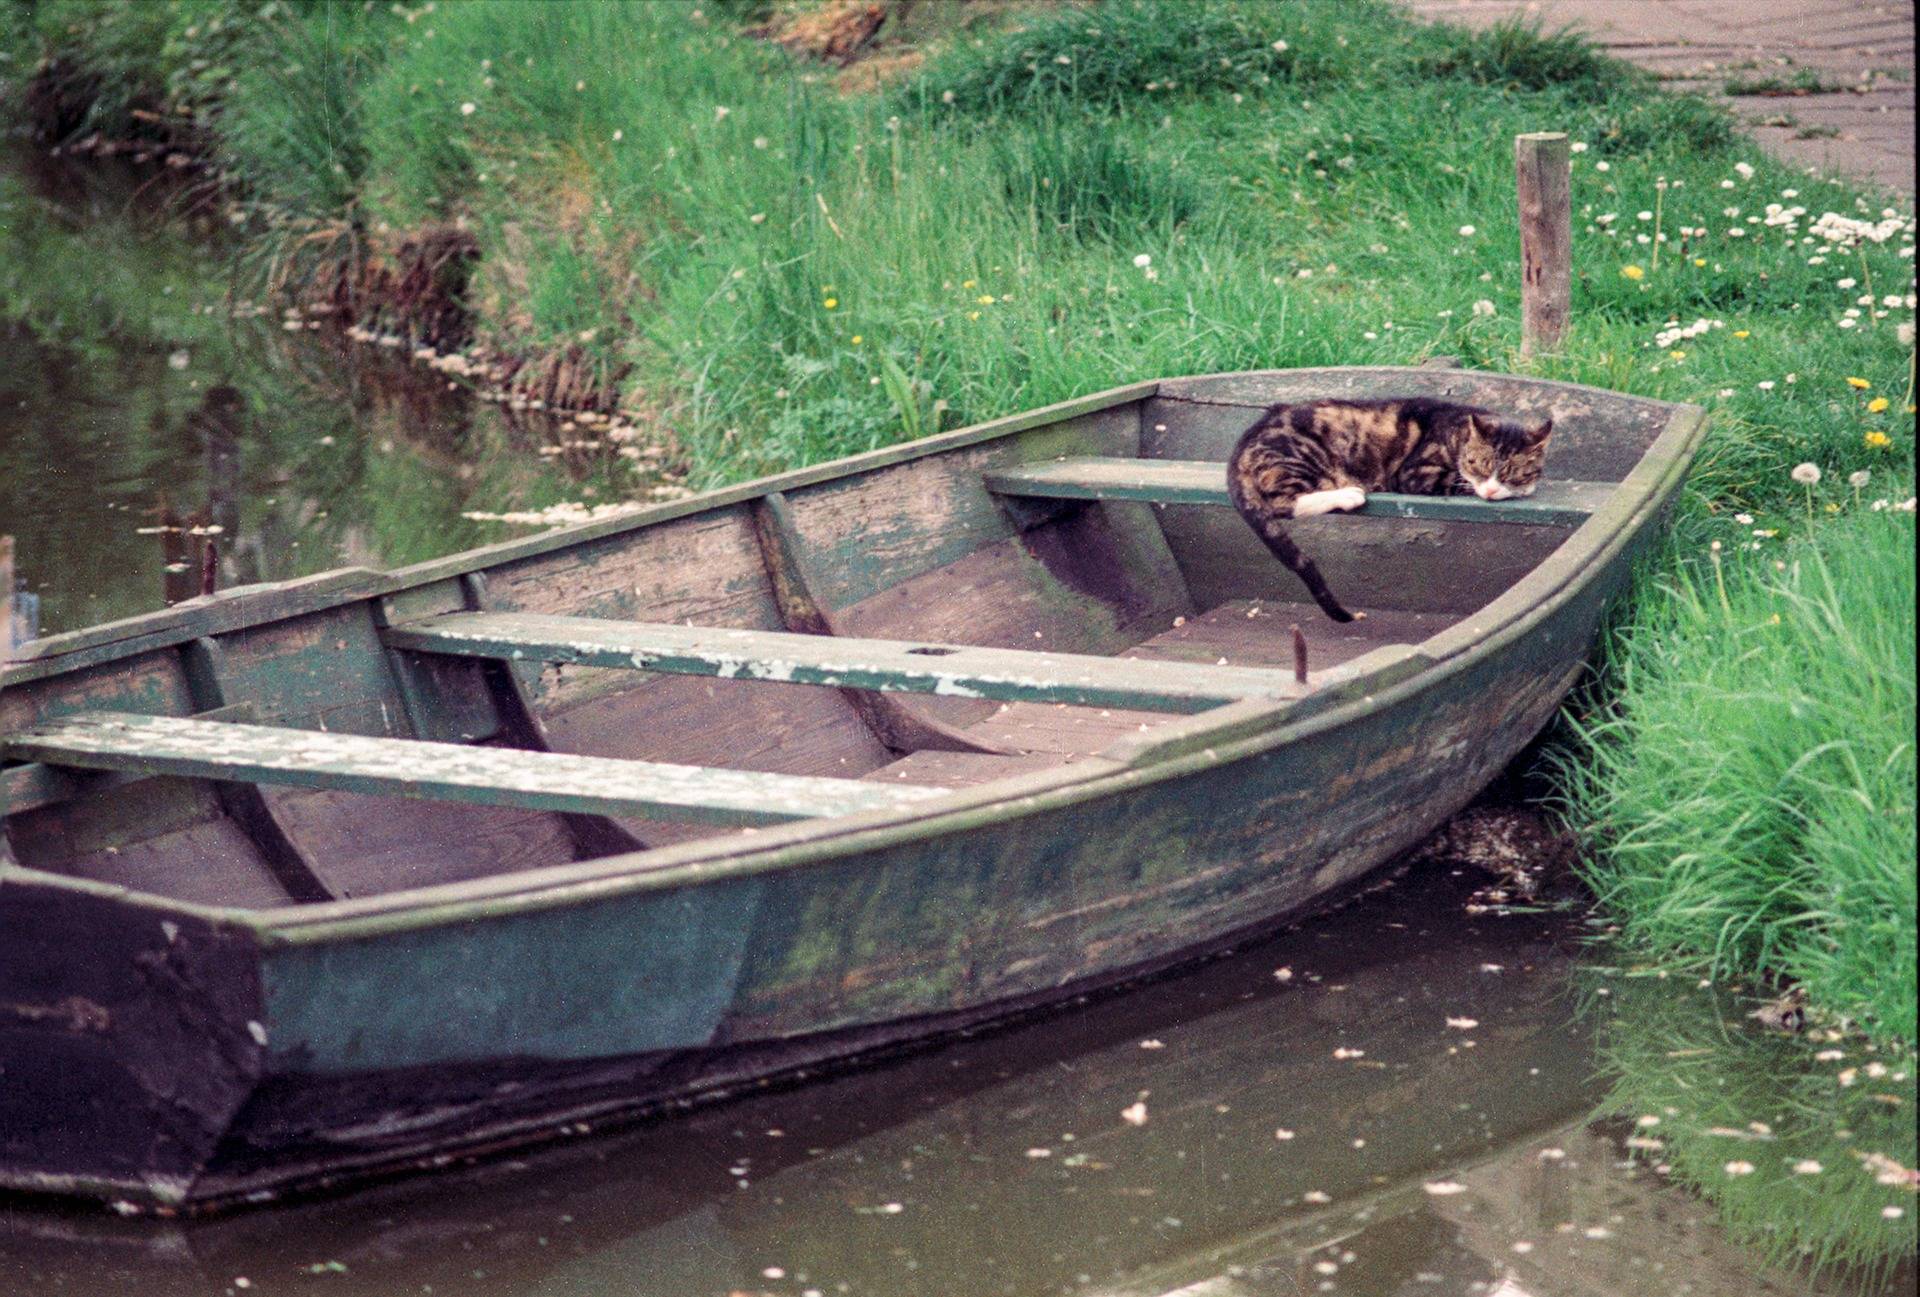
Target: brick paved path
{"points": [[1860, 52]]}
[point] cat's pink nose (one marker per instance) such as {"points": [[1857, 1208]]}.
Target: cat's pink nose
{"points": [[1490, 490]]}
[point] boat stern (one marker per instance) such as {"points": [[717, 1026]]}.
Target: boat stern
{"points": [[130, 1036]]}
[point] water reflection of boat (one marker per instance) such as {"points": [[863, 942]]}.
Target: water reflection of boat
{"points": [[334, 876]]}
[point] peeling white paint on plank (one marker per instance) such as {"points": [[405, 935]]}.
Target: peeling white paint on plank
{"points": [[952, 670], [549, 781]]}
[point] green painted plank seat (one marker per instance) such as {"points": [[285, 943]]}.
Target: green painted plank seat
{"points": [[955, 670], [547, 781], [1194, 481]]}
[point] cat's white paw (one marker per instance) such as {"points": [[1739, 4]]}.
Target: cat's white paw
{"points": [[1339, 500]]}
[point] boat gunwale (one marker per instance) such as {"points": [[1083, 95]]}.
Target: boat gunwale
{"points": [[1243, 729]]}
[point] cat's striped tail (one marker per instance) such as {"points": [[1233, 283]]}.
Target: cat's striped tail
{"points": [[1276, 539]]}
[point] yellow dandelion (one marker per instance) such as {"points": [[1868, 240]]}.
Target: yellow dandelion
{"points": [[1743, 333], [1858, 384], [1774, 620], [1678, 355], [973, 315], [1699, 261], [985, 299], [856, 340], [831, 302], [1633, 272], [966, 283], [1877, 404], [1878, 440]]}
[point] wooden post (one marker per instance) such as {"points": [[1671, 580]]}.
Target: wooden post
{"points": [[6, 599], [1546, 238]]}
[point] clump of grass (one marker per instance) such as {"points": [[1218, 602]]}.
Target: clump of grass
{"points": [[1806, 81], [1520, 54], [1086, 181], [1636, 123], [292, 122], [1752, 795], [1106, 57]]}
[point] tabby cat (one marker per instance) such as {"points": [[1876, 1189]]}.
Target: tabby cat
{"points": [[1324, 456]]}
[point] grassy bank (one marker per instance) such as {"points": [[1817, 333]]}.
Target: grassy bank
{"points": [[1068, 197], [1752, 789]]}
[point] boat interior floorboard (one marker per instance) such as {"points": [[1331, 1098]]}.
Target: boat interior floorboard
{"points": [[1241, 632]]}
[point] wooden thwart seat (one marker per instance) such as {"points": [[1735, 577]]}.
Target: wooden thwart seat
{"points": [[548, 781], [1191, 481], [1007, 675]]}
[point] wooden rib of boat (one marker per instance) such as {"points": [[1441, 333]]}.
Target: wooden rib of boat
{"points": [[319, 879]]}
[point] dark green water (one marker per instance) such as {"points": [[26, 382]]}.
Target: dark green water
{"points": [[144, 399], [1416, 1107]]}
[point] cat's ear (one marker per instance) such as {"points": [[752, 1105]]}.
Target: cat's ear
{"points": [[1539, 432], [1475, 430]]}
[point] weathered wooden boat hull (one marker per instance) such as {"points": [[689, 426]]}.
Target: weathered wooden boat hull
{"points": [[175, 1053]]}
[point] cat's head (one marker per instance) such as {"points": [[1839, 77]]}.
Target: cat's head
{"points": [[1502, 458]]}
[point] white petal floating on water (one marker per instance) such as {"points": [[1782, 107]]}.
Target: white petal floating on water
{"points": [[1464, 1024], [1444, 1188], [1134, 1115]]}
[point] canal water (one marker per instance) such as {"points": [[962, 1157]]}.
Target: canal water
{"points": [[1422, 1093]]}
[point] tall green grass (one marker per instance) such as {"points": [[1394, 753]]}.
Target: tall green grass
{"points": [[1751, 794]]}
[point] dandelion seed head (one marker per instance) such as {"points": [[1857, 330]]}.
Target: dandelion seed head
{"points": [[1807, 474]]}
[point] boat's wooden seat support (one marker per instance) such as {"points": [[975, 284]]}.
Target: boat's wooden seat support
{"points": [[520, 725], [1192, 481], [205, 663], [900, 726], [546, 781], [1007, 675]]}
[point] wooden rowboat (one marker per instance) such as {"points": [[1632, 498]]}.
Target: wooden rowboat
{"points": [[313, 880]]}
